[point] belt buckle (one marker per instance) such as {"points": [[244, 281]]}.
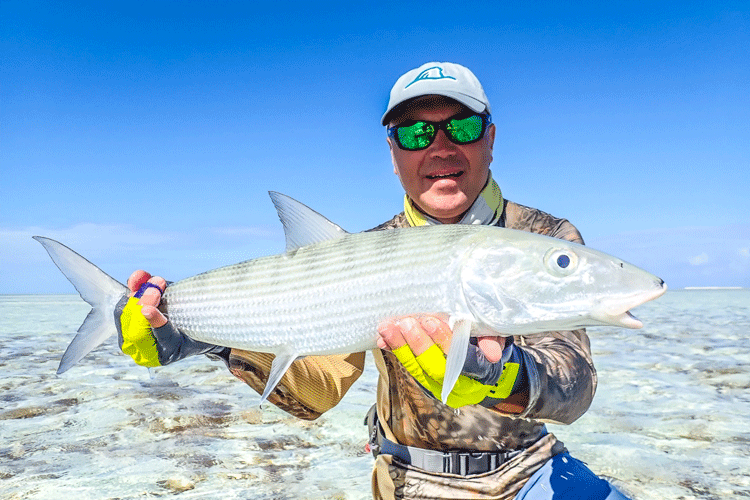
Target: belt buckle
{"points": [[467, 463]]}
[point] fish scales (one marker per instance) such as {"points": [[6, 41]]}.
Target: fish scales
{"points": [[340, 288]]}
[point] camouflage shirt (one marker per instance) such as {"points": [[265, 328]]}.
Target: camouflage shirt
{"points": [[562, 379]]}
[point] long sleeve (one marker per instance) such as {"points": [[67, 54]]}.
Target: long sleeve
{"points": [[562, 378], [310, 387]]}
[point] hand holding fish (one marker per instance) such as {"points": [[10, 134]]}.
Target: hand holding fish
{"points": [[151, 296], [145, 334], [428, 330], [420, 344]]}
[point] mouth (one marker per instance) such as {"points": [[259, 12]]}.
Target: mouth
{"points": [[626, 318], [445, 175]]}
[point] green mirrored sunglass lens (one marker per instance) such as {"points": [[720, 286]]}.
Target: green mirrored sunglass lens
{"points": [[416, 136], [466, 130]]}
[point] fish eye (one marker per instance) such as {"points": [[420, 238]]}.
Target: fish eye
{"points": [[561, 262]]}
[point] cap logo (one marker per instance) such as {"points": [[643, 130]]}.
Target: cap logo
{"points": [[433, 73]]}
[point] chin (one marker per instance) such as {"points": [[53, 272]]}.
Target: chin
{"points": [[446, 207]]}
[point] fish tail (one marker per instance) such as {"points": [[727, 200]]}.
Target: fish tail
{"points": [[97, 288]]}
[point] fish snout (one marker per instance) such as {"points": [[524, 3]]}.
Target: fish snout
{"points": [[618, 311]]}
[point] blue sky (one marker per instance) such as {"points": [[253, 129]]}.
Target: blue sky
{"points": [[147, 134]]}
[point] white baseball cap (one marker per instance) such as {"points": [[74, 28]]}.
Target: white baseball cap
{"points": [[439, 78]]}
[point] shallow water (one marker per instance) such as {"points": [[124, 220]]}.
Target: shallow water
{"points": [[671, 419]]}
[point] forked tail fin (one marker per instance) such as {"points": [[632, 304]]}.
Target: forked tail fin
{"points": [[97, 288]]}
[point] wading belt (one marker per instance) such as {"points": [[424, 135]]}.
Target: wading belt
{"points": [[463, 463]]}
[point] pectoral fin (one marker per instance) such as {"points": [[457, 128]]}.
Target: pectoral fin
{"points": [[456, 354], [280, 365]]}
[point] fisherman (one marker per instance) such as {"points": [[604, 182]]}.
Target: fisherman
{"points": [[489, 440]]}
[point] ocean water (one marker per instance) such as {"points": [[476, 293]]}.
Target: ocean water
{"points": [[671, 419]]}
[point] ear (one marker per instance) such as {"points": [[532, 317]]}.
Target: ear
{"points": [[490, 136]]}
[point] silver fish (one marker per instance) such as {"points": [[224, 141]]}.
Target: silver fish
{"points": [[330, 289]]}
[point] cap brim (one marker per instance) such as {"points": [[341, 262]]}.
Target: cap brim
{"points": [[474, 104]]}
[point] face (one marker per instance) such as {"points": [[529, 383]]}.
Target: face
{"points": [[444, 179]]}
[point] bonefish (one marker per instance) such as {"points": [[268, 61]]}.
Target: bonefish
{"points": [[330, 289]]}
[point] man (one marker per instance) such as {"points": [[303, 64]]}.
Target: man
{"points": [[488, 441]]}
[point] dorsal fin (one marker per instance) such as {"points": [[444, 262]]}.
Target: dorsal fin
{"points": [[303, 225]]}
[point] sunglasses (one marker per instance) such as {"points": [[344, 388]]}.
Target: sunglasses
{"points": [[416, 135]]}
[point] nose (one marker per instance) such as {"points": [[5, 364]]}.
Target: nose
{"points": [[442, 146]]}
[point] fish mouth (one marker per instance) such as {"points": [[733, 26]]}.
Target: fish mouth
{"points": [[626, 320], [622, 315]]}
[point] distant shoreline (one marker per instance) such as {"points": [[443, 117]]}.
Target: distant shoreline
{"points": [[713, 288]]}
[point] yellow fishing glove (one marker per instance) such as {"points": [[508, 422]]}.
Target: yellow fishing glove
{"points": [[155, 346], [136, 336], [429, 370]]}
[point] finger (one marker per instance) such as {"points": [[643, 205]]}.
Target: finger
{"points": [[150, 292], [433, 362], [389, 336], [150, 299], [438, 330], [154, 316], [137, 279], [491, 347], [160, 282], [414, 335]]}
